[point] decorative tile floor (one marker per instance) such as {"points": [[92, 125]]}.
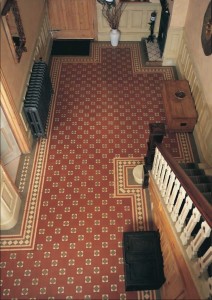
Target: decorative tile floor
{"points": [[82, 196], [153, 51]]}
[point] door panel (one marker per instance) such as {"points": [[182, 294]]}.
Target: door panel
{"points": [[72, 19], [9, 147], [9, 150]]}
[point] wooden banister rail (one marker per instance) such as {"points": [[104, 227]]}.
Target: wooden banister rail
{"points": [[196, 196]]}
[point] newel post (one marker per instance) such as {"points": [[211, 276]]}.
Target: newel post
{"points": [[157, 132]]}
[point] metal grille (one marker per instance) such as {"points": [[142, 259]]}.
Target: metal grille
{"points": [[38, 96]]}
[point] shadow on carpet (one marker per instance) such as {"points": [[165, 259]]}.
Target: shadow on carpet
{"points": [[71, 47]]}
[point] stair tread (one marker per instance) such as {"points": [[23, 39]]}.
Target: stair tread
{"points": [[191, 165], [194, 171], [200, 179], [208, 196], [204, 187]]}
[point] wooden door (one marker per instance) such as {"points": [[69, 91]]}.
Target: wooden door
{"points": [[72, 19], [9, 150]]}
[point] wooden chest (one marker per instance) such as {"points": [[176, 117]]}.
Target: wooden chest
{"points": [[143, 261], [181, 115]]}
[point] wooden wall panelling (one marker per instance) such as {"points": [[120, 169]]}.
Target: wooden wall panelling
{"points": [[203, 129], [172, 46], [72, 19], [44, 41], [134, 21]]}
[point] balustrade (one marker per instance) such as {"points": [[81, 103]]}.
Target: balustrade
{"points": [[190, 222]]}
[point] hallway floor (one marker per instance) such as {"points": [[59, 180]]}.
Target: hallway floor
{"points": [[82, 195]]}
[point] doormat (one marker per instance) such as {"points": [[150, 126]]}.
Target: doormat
{"points": [[71, 47], [150, 54]]}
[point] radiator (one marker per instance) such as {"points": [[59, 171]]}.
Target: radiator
{"points": [[37, 100]]}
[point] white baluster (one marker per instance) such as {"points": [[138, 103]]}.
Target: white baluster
{"points": [[202, 234], [160, 167], [209, 284], [186, 234], [173, 195], [181, 219], [166, 180], [175, 211], [203, 262], [155, 162], [163, 172], [169, 187]]}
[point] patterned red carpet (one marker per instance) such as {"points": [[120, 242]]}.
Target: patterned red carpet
{"points": [[82, 195]]}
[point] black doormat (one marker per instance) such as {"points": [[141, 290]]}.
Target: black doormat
{"points": [[71, 47]]}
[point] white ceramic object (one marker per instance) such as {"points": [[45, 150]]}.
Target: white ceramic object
{"points": [[114, 37], [138, 174]]}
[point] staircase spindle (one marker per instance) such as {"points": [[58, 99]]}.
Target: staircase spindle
{"points": [[176, 209], [163, 172], [209, 284], [157, 164], [166, 180], [173, 195], [154, 166], [182, 217], [169, 187], [202, 234], [186, 234], [160, 167], [203, 262]]}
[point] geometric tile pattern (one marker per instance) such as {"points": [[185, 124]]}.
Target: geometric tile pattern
{"points": [[153, 51], [126, 186], [82, 197], [25, 238]]}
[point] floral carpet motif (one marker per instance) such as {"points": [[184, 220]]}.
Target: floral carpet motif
{"points": [[82, 196]]}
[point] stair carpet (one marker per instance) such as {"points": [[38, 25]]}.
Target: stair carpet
{"points": [[202, 181]]}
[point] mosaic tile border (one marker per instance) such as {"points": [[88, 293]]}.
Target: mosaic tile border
{"points": [[125, 186], [135, 48], [26, 238], [184, 148]]}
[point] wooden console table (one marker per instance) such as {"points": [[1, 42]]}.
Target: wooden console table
{"points": [[181, 115]]}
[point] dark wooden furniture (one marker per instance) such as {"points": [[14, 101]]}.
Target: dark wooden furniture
{"points": [[143, 261], [181, 115]]}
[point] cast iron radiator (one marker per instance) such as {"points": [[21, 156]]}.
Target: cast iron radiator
{"points": [[38, 97]]}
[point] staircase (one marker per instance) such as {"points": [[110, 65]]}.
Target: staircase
{"points": [[182, 196], [202, 181], [204, 184]]}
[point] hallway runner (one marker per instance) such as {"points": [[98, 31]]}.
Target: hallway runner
{"points": [[82, 195]]}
